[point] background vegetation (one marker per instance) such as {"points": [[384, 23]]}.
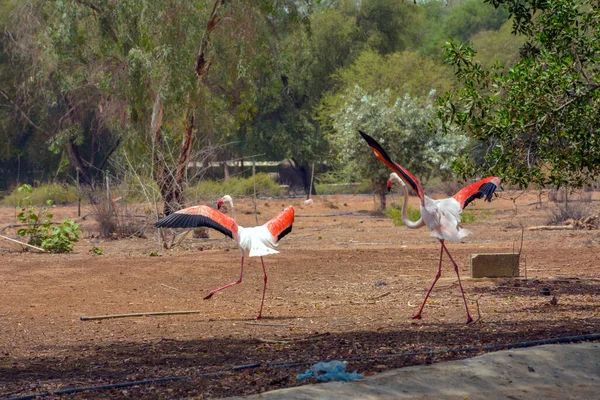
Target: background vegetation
{"points": [[137, 90]]}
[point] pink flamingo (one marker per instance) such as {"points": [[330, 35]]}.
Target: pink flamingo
{"points": [[256, 241], [441, 216]]}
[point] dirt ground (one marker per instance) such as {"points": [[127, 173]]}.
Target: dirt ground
{"points": [[343, 287]]}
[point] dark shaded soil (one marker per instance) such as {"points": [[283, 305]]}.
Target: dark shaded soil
{"points": [[343, 287]]}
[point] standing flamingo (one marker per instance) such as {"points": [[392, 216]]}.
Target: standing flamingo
{"points": [[441, 216], [227, 198], [256, 241]]}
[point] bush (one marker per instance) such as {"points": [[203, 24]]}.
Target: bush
{"points": [[344, 188], [58, 193], [60, 238], [56, 239], [236, 187], [573, 211], [395, 213]]}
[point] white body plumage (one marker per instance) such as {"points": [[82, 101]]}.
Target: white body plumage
{"points": [[256, 241]]}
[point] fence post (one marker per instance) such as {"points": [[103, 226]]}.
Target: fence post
{"points": [[78, 195], [254, 197]]}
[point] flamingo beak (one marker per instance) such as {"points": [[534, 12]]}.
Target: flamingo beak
{"points": [[220, 203], [389, 185]]}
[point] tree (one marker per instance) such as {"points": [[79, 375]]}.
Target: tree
{"points": [[402, 126], [538, 120], [498, 46], [402, 72]]}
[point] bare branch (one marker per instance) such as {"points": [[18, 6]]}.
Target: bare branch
{"points": [[3, 93]]}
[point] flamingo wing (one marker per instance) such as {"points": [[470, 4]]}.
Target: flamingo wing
{"points": [[281, 224], [197, 216], [404, 174], [483, 188]]}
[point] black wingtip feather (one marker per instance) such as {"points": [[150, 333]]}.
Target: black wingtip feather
{"points": [[284, 232], [373, 143], [486, 190], [177, 220]]}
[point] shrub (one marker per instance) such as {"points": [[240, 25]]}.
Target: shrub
{"points": [[344, 188], [58, 193], [56, 239], [573, 211], [395, 213], [60, 238], [236, 187]]}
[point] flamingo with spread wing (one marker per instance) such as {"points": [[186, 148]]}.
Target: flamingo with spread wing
{"points": [[442, 217], [256, 241]]}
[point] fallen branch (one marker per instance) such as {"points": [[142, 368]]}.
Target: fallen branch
{"points": [[380, 296], [552, 228], [23, 244], [265, 324], [167, 286], [146, 314], [272, 341]]}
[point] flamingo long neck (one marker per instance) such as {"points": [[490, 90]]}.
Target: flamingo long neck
{"points": [[229, 200], [407, 221]]}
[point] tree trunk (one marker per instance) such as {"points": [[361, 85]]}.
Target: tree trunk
{"points": [[304, 172], [169, 183], [172, 184], [380, 194], [85, 177]]}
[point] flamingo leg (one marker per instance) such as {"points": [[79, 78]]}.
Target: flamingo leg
{"points": [[469, 319], [230, 284], [437, 276], [264, 289]]}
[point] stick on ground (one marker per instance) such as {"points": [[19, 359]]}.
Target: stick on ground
{"points": [[146, 314], [22, 243]]}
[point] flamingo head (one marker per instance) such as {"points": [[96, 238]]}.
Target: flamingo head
{"points": [[227, 198], [394, 178]]}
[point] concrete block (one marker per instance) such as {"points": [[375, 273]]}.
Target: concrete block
{"points": [[494, 265]]}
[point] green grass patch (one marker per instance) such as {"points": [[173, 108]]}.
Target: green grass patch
{"points": [[58, 193], [344, 188], [236, 187], [395, 213], [467, 217]]}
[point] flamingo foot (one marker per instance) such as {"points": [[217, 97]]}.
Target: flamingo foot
{"points": [[259, 316], [416, 316], [209, 296], [469, 319]]}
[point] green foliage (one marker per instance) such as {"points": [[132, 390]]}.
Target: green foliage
{"points": [[365, 187], [389, 25], [402, 126], [39, 229], [395, 213], [235, 187], [467, 216], [498, 46], [38, 221], [538, 120], [57, 193], [60, 238], [96, 251], [472, 16], [401, 73]]}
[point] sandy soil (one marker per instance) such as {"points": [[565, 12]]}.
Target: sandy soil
{"points": [[343, 287]]}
